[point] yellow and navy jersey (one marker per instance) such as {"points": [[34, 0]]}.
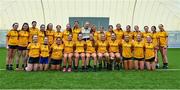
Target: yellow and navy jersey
{"points": [[108, 36], [68, 46], [80, 46], [57, 51], [130, 34], [138, 49], [32, 32], [65, 35], [44, 50], [145, 34], [50, 35], [149, 50], [155, 38], [57, 35], [34, 49], [114, 46], [90, 47], [75, 33], [119, 34], [23, 38], [163, 38], [12, 36], [41, 35], [135, 33], [102, 46], [127, 49]]}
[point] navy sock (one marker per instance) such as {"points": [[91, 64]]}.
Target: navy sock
{"points": [[17, 65]]}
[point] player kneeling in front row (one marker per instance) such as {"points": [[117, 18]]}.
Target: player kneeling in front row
{"points": [[90, 51], [102, 51], [150, 54], [44, 56], [33, 52], [127, 53], [79, 52], [138, 50], [68, 53], [56, 56], [114, 51]]}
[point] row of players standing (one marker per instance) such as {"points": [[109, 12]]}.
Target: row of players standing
{"points": [[159, 39]]}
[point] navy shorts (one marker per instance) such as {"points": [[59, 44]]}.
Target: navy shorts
{"points": [[33, 60], [85, 39], [12, 46], [124, 58], [139, 59], [22, 48], [151, 59], [56, 62], [43, 60]]}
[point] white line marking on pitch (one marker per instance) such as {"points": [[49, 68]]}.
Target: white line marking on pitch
{"points": [[2, 69], [168, 69], [156, 69]]}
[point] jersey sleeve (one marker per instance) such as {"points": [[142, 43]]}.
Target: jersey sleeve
{"points": [[52, 46], [166, 34], [8, 34], [29, 46]]}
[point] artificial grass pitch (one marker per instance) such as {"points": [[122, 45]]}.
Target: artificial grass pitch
{"points": [[159, 79]]}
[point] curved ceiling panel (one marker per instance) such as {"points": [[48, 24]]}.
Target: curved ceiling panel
{"points": [[132, 12]]}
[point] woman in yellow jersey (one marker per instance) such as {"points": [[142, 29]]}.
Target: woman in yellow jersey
{"points": [[90, 52], [41, 34], [150, 54], [101, 31], [58, 33], [136, 32], [119, 35], [119, 32], [44, 56], [68, 53], [57, 54], [80, 52], [67, 32], [33, 54], [33, 31], [94, 32], [138, 53], [22, 46], [127, 53], [155, 41], [109, 32], [102, 51], [146, 33], [163, 43], [50, 33], [76, 30], [128, 32], [11, 44], [114, 46]]}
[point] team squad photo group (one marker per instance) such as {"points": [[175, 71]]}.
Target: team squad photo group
{"points": [[86, 48]]}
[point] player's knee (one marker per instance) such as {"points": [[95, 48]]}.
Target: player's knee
{"points": [[87, 55], [82, 55]]}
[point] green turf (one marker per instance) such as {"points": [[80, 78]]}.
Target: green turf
{"points": [[98, 80]]}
